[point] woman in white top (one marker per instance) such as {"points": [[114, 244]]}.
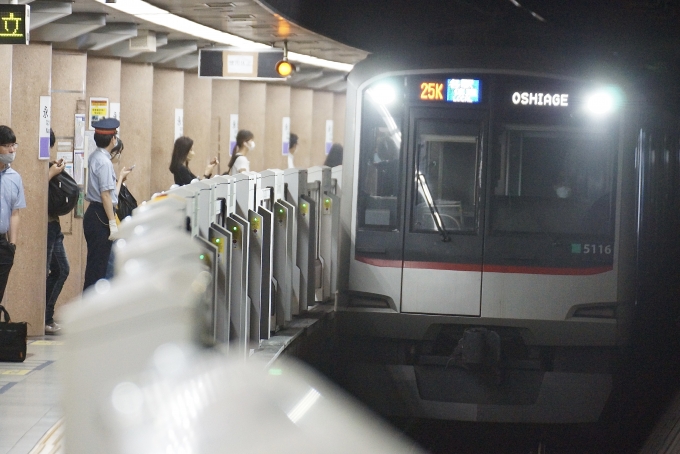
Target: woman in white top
{"points": [[244, 144]]}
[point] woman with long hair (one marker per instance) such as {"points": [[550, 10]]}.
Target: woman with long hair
{"points": [[244, 144], [182, 154]]}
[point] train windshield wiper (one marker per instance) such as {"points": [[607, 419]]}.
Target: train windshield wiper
{"points": [[425, 191]]}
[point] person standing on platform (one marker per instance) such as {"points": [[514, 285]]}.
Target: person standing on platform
{"points": [[11, 200], [182, 154], [245, 142], [292, 148], [99, 223], [57, 263], [334, 157]]}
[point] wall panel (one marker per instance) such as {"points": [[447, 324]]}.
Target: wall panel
{"points": [[136, 101], [301, 102], [69, 72], [198, 120], [322, 111], [168, 95], [25, 294], [278, 106], [225, 101], [252, 108]]}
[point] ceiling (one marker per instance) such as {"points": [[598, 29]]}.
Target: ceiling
{"points": [[102, 30]]}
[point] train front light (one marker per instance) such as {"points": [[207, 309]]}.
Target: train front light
{"points": [[384, 94], [602, 102]]}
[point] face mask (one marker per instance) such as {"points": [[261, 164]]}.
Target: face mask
{"points": [[250, 144], [115, 157], [7, 158]]}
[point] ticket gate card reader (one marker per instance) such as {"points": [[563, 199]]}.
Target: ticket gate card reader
{"points": [[208, 305], [239, 313], [222, 239]]}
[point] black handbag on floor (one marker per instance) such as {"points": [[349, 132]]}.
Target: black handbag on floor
{"points": [[12, 338]]}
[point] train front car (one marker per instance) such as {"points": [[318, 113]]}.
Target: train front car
{"points": [[489, 220]]}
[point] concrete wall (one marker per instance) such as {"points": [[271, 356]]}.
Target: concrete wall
{"points": [[168, 95], [198, 120], [252, 108], [301, 115], [69, 72], [31, 78], [322, 105], [278, 107], [136, 123]]}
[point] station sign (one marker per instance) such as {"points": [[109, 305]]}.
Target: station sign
{"points": [[234, 63], [15, 24]]}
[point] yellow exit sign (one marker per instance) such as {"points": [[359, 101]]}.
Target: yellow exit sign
{"points": [[14, 24]]}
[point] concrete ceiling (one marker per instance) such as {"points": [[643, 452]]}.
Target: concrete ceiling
{"points": [[103, 30]]}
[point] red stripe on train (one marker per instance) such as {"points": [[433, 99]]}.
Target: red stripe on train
{"points": [[486, 268]]}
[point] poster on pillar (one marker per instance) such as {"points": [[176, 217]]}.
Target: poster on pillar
{"points": [[329, 135], [44, 134], [285, 136], [233, 130], [179, 123], [99, 109]]}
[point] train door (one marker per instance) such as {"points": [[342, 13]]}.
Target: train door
{"points": [[443, 237]]}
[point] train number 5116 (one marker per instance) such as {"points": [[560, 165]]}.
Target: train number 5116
{"points": [[597, 249]]}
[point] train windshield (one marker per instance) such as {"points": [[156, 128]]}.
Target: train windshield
{"points": [[554, 181], [445, 176], [379, 200]]}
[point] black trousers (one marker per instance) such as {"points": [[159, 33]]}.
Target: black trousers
{"points": [[6, 262], [96, 229]]}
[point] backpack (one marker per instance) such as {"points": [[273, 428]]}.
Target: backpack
{"points": [[63, 194]]}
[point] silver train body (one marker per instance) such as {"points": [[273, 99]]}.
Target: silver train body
{"points": [[490, 219]]}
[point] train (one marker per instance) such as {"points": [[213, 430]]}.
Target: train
{"points": [[497, 206]]}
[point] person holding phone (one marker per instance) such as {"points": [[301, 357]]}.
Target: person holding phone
{"points": [[182, 154], [99, 222], [57, 262]]}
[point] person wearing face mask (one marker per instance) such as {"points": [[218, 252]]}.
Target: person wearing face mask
{"points": [[11, 200], [245, 142], [99, 222], [182, 154]]}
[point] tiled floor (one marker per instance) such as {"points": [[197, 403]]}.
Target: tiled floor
{"points": [[29, 397]]}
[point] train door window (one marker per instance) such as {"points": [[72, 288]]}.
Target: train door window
{"points": [[379, 160], [446, 176], [554, 182]]}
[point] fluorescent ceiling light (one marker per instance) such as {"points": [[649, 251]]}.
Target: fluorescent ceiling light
{"points": [[149, 13]]}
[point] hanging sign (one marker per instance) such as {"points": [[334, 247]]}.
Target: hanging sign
{"points": [[285, 136], [233, 131], [44, 134], [329, 135], [15, 24]]}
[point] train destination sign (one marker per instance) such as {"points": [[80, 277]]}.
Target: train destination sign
{"points": [[14, 24], [540, 99], [451, 90]]}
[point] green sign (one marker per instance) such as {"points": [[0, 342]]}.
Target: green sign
{"points": [[14, 24]]}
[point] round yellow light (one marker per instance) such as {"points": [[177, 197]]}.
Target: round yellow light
{"points": [[284, 68]]}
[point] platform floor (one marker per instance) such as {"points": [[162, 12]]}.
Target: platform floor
{"points": [[29, 397]]}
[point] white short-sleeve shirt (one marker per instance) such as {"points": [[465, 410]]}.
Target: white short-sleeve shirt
{"points": [[240, 163]]}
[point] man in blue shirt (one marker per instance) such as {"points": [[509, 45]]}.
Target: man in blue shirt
{"points": [[11, 200], [99, 222]]}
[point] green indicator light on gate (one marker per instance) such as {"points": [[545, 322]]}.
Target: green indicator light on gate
{"points": [[235, 229], [217, 240], [280, 211], [202, 257], [275, 371], [328, 201], [575, 248]]}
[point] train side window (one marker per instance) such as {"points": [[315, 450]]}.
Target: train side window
{"points": [[446, 183], [379, 198], [554, 181]]}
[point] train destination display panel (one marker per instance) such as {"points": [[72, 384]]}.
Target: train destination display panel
{"points": [[451, 90]]}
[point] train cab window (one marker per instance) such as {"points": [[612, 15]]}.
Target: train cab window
{"points": [[554, 182], [379, 159], [445, 179]]}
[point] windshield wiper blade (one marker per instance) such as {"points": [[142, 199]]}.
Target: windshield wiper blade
{"points": [[433, 207]]}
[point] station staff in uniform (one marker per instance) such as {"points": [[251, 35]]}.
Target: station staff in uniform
{"points": [[99, 223], [11, 200]]}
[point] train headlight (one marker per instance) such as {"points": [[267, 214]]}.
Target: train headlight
{"points": [[602, 102], [384, 94]]}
